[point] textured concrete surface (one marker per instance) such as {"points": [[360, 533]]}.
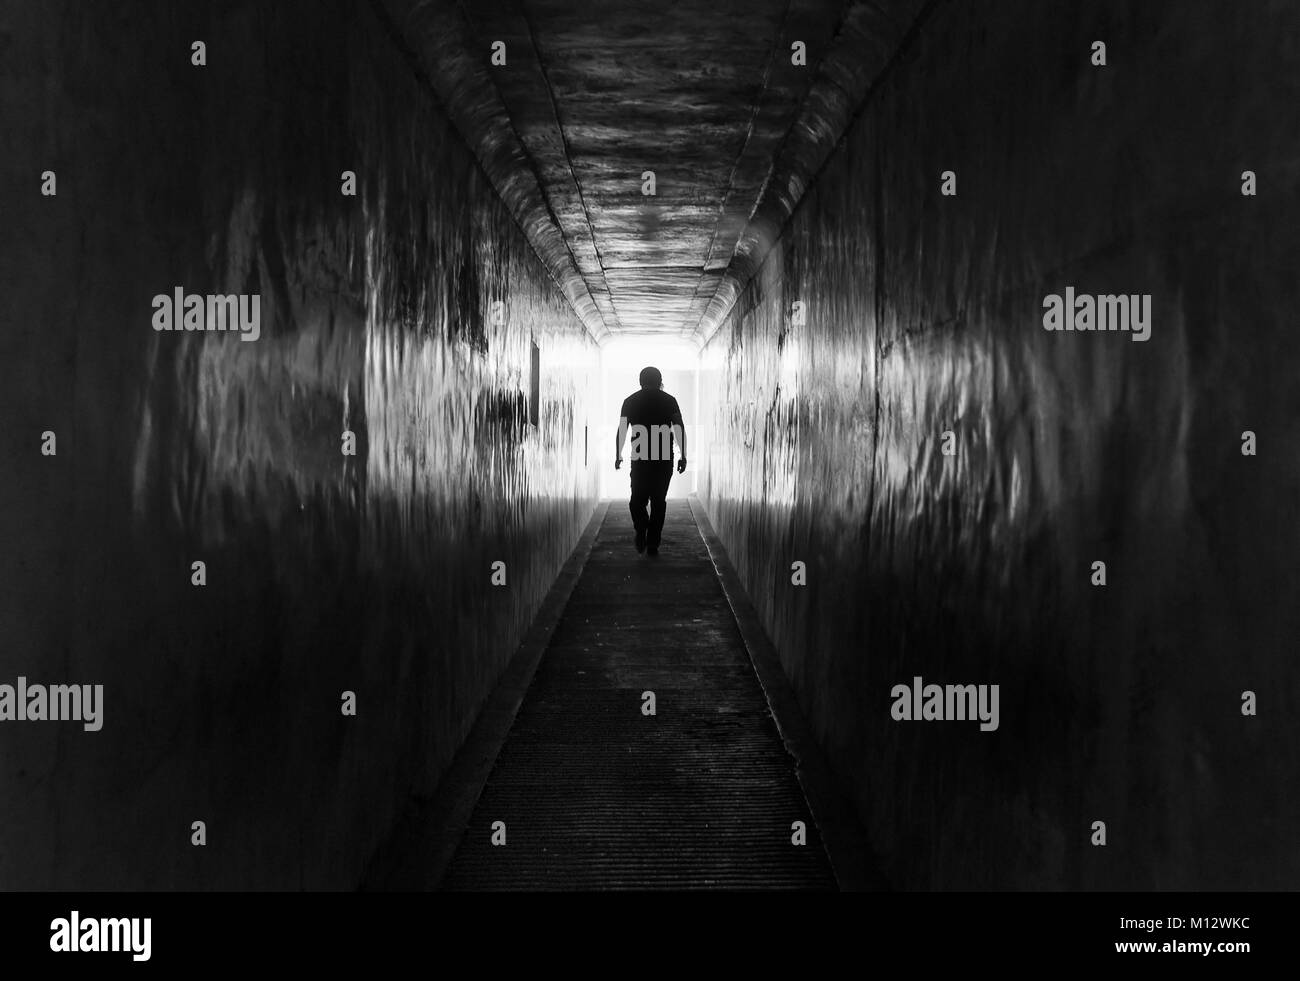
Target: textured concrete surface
{"points": [[415, 857], [707, 96], [856, 866], [520, 186], [1121, 703], [593, 793], [325, 573]]}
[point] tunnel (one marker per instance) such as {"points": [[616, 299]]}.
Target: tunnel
{"points": [[978, 561]]}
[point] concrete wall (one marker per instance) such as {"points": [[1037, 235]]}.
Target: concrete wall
{"points": [[325, 573], [1123, 703]]}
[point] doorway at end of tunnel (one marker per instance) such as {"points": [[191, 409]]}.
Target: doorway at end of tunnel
{"points": [[621, 361]]}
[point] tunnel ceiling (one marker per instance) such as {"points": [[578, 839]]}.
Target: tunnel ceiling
{"points": [[703, 94]]}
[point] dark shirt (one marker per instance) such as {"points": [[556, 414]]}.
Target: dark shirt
{"points": [[651, 408]]}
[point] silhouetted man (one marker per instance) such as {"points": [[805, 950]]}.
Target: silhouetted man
{"points": [[652, 420]]}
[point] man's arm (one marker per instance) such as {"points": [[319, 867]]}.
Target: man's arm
{"points": [[620, 437], [679, 429]]}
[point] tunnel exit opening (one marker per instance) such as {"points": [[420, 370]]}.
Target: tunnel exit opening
{"points": [[621, 361]]}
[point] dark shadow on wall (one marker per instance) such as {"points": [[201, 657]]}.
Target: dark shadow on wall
{"points": [[328, 568], [1122, 703]]}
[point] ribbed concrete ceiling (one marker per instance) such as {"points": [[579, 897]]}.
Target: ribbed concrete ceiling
{"points": [[700, 94], [704, 94]]}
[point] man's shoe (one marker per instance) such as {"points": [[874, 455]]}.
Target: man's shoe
{"points": [[652, 549], [640, 540]]}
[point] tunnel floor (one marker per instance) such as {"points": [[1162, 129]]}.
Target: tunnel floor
{"points": [[595, 794]]}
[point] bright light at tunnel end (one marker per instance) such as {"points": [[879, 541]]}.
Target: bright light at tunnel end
{"points": [[621, 360]]}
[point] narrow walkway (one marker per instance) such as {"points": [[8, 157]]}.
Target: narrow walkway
{"points": [[595, 794]]}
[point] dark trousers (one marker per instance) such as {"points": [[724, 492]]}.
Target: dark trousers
{"points": [[650, 479]]}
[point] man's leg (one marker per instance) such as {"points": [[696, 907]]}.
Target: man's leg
{"points": [[658, 493], [641, 492]]}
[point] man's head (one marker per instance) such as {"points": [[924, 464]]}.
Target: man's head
{"points": [[651, 378]]}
